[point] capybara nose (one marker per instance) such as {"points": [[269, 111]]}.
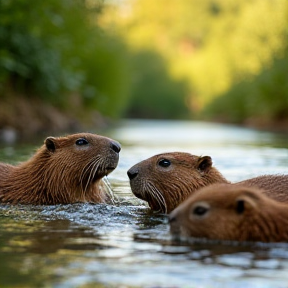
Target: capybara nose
{"points": [[132, 173], [115, 146]]}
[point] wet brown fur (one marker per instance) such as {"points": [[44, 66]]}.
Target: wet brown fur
{"points": [[61, 172], [164, 188], [232, 213]]}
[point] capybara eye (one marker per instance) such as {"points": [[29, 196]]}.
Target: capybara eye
{"points": [[164, 163], [81, 141], [200, 210]]}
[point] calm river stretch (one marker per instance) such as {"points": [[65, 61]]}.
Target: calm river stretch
{"points": [[123, 245]]}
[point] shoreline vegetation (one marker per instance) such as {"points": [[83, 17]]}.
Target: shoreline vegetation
{"points": [[75, 65]]}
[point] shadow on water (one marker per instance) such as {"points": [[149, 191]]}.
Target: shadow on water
{"points": [[124, 245]]}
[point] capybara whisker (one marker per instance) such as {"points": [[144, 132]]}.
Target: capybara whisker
{"points": [[87, 168], [91, 169], [158, 197]]}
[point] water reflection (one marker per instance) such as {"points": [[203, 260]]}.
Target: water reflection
{"points": [[124, 245], [184, 133]]}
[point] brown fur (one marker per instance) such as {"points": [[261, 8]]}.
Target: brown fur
{"points": [[61, 171], [164, 188], [230, 212]]}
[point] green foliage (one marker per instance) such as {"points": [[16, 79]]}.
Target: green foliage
{"points": [[263, 99], [54, 50], [215, 44], [154, 93], [29, 59], [70, 51], [107, 70]]}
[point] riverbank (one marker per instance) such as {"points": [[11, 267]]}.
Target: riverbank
{"points": [[22, 119]]}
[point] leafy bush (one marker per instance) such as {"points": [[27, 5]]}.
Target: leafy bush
{"points": [[54, 50]]}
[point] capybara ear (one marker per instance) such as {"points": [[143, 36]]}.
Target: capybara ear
{"points": [[204, 163], [50, 144], [245, 202]]}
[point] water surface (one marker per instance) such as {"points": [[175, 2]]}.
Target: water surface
{"points": [[124, 245]]}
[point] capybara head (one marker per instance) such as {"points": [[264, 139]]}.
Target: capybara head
{"points": [[167, 179], [228, 212], [84, 158]]}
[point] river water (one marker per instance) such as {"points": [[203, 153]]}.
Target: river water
{"points": [[123, 245]]}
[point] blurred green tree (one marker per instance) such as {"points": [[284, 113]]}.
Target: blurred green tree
{"points": [[155, 94], [214, 44], [54, 50], [260, 101], [73, 53]]}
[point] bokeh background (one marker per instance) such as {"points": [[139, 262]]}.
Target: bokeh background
{"points": [[69, 64]]}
